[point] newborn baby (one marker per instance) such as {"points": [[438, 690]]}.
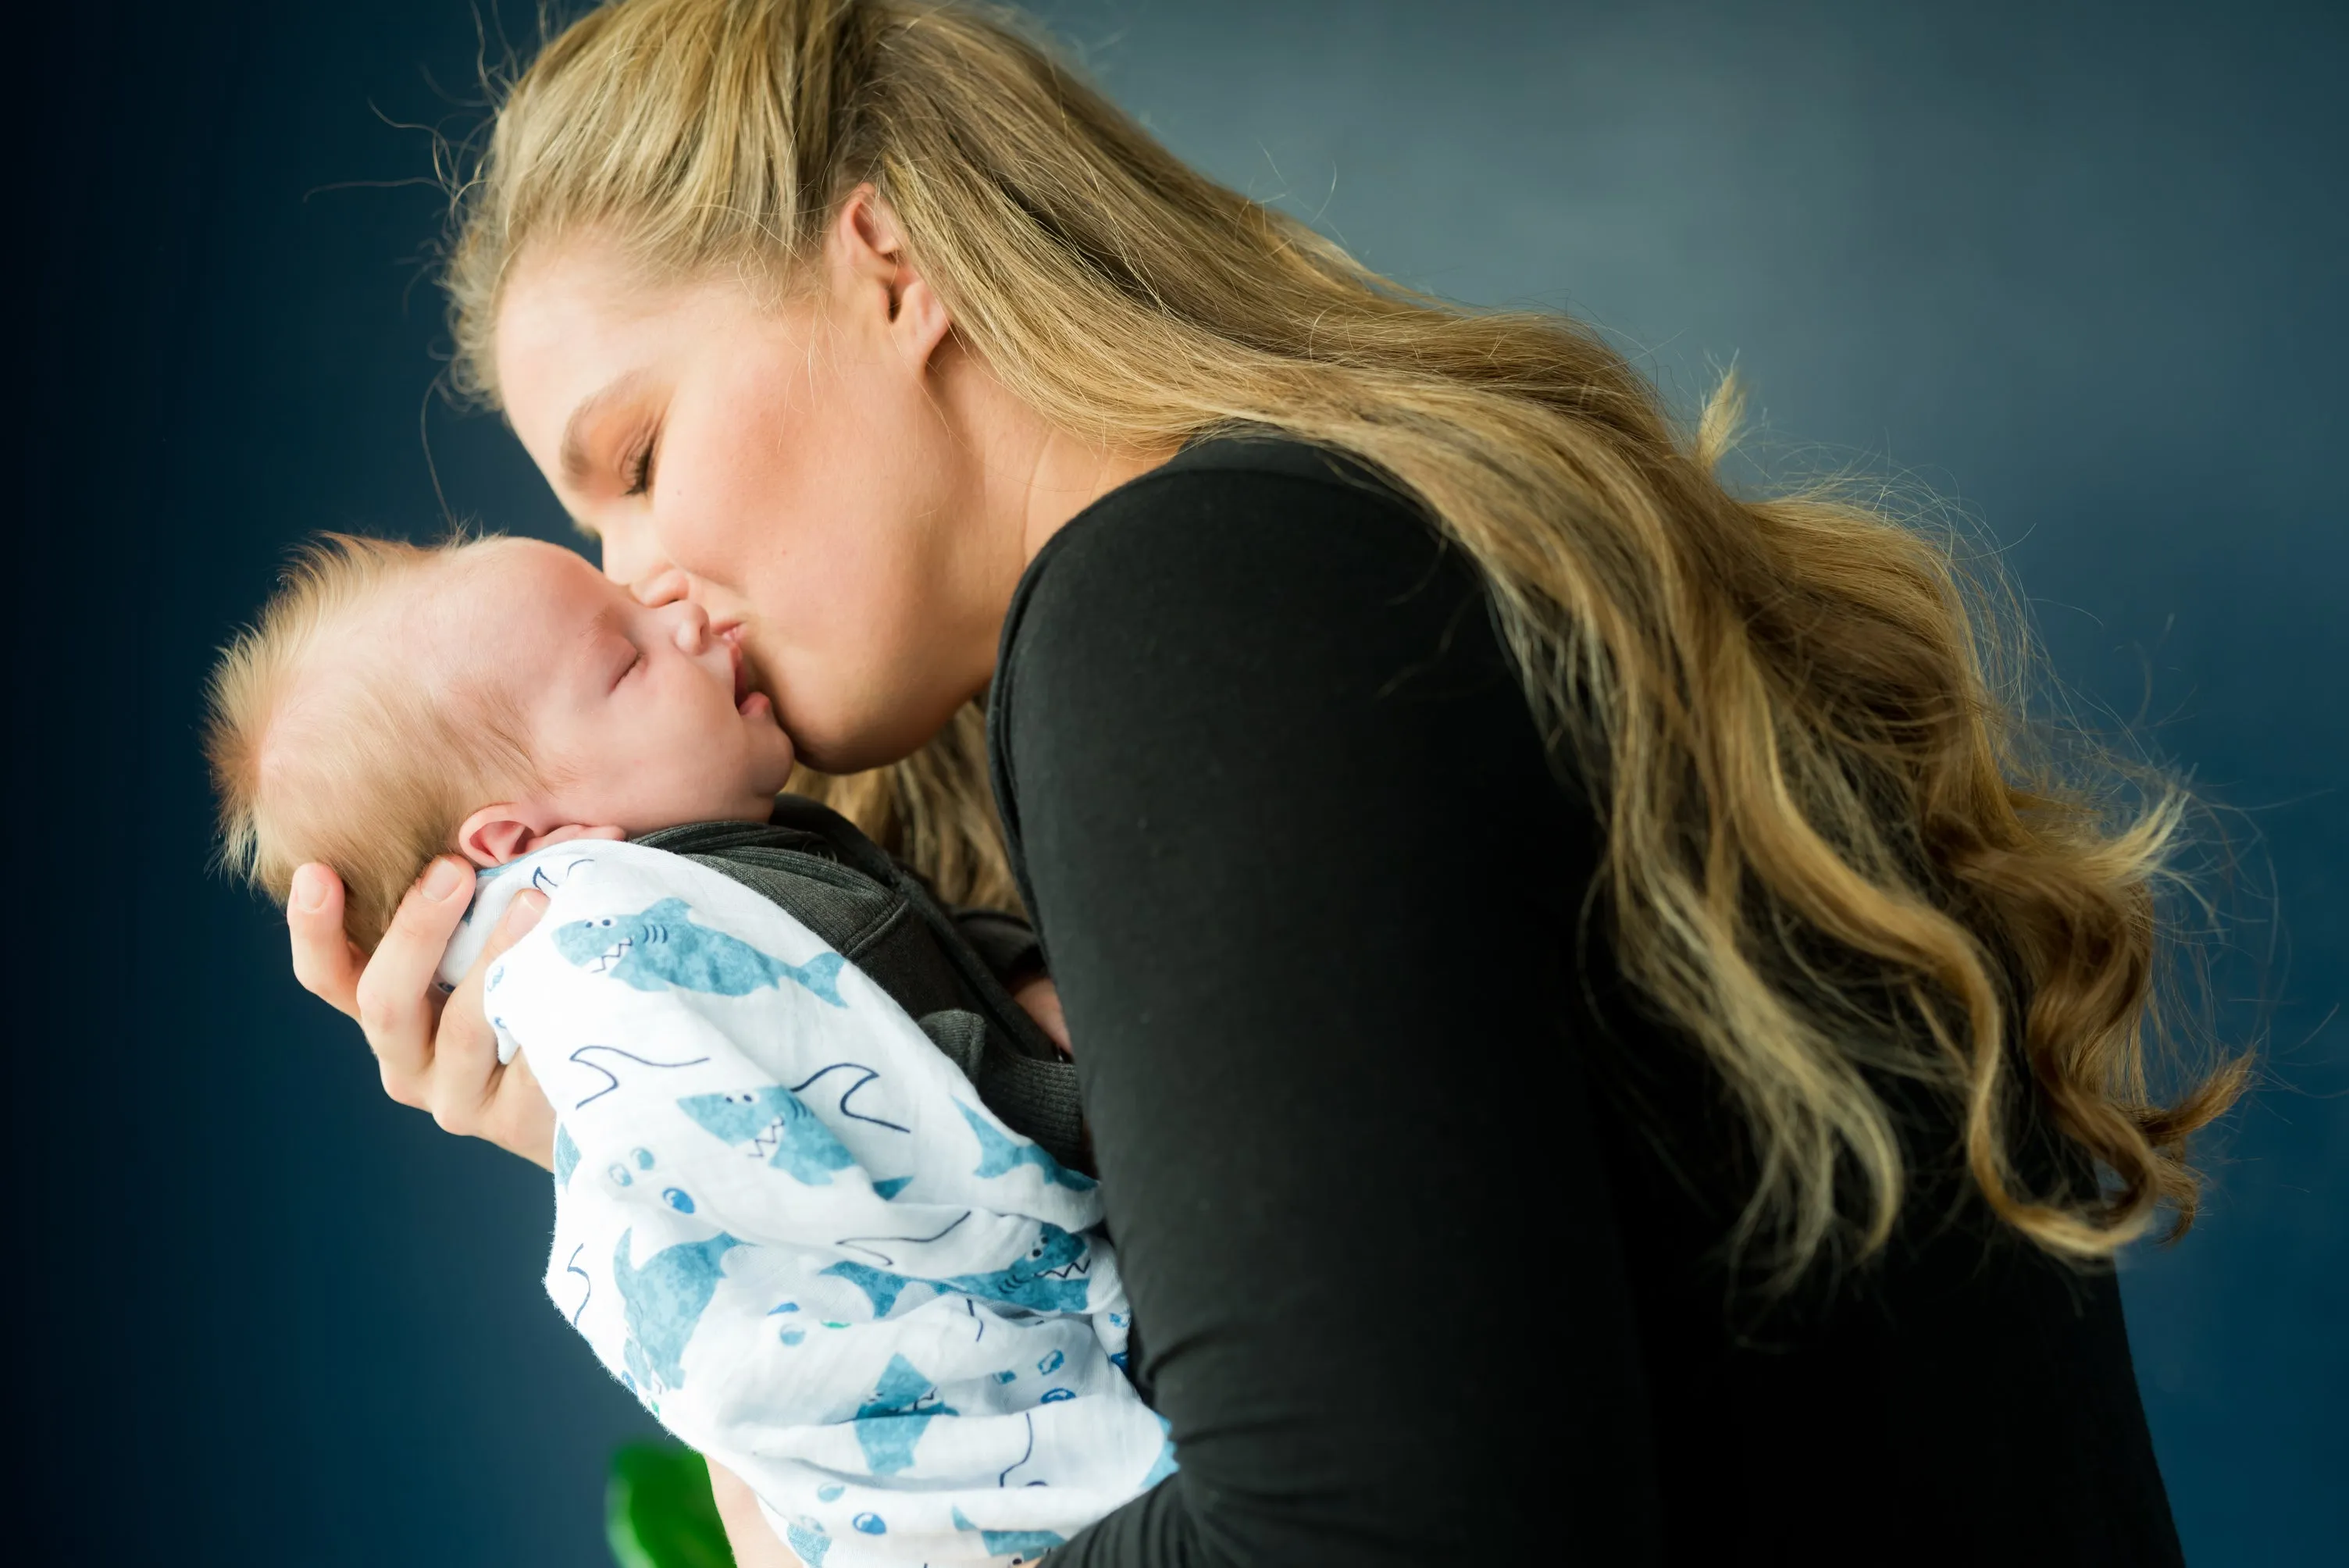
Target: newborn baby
{"points": [[489, 699], [781, 1220]]}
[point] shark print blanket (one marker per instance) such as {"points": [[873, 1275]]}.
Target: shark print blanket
{"points": [[783, 1220]]}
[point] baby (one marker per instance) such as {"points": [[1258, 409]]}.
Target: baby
{"points": [[488, 700], [781, 1219]]}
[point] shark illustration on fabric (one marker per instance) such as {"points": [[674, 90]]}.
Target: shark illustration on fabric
{"points": [[1024, 1546], [999, 1155], [809, 1539], [662, 948], [665, 1299], [1050, 1278], [892, 1421], [775, 1125], [772, 1227], [1163, 1465]]}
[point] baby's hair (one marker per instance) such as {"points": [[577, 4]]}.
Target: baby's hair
{"points": [[325, 749]]}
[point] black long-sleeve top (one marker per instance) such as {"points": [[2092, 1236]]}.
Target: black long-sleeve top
{"points": [[1420, 1217]]}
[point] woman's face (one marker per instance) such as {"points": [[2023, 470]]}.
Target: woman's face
{"points": [[818, 472]]}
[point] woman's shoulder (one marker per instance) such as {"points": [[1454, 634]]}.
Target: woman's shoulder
{"points": [[1276, 616], [1267, 453], [1256, 531]]}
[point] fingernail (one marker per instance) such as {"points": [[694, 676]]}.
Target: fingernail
{"points": [[309, 889], [443, 879], [526, 907]]}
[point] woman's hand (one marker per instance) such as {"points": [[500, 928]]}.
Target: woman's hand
{"points": [[437, 1054], [754, 1544], [1042, 1000]]}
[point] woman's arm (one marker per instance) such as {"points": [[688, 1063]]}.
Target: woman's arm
{"points": [[1309, 892], [439, 1054], [754, 1544]]}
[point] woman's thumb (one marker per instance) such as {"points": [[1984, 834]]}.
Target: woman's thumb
{"points": [[520, 916]]}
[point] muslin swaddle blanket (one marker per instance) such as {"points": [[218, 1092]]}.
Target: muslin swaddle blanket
{"points": [[786, 1223]]}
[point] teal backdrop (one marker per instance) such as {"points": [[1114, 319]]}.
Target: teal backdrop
{"points": [[2075, 269]]}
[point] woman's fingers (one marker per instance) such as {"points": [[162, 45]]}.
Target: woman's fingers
{"points": [[398, 1004], [520, 1120], [326, 962], [754, 1544], [435, 1058], [465, 1048], [1042, 1000], [470, 1093]]}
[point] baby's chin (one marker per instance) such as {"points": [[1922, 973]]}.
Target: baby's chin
{"points": [[778, 756]]}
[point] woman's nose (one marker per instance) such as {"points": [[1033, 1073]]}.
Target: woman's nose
{"points": [[630, 552], [661, 585], [692, 628]]}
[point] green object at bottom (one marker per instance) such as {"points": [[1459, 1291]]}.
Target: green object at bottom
{"points": [[657, 1511]]}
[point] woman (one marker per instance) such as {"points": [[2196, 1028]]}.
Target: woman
{"points": [[1604, 1035]]}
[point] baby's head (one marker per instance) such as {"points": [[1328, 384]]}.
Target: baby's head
{"points": [[396, 702]]}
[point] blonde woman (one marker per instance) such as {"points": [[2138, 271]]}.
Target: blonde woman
{"points": [[1605, 1035]]}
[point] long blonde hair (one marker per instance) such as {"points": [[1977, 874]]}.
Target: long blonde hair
{"points": [[1835, 849]]}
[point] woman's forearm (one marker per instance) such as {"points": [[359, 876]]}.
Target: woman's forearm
{"points": [[754, 1544]]}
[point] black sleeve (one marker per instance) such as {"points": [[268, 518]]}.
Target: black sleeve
{"points": [[1308, 888], [1005, 941]]}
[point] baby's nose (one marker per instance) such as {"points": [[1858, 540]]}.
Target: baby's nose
{"points": [[692, 628]]}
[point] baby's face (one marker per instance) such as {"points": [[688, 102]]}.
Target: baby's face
{"points": [[640, 719]]}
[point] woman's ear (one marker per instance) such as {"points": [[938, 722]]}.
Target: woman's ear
{"points": [[868, 254]]}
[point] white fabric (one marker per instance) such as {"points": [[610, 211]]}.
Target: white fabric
{"points": [[783, 1218]]}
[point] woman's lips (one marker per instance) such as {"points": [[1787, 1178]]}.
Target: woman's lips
{"points": [[749, 704]]}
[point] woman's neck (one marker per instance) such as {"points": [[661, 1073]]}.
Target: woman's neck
{"points": [[1067, 476]]}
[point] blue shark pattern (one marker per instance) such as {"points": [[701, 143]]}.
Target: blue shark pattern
{"points": [[1050, 1278], [881, 1286], [775, 1123], [696, 1151], [611, 1078], [662, 948], [999, 1156], [1165, 1465], [1025, 1545], [572, 1266], [892, 1421], [864, 1076], [665, 1300], [809, 1539]]}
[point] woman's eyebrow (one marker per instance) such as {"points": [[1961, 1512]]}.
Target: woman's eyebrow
{"points": [[573, 456]]}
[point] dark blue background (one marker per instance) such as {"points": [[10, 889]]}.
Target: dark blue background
{"points": [[2076, 268]]}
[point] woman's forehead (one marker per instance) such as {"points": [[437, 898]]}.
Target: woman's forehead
{"points": [[582, 312], [583, 337], [567, 329]]}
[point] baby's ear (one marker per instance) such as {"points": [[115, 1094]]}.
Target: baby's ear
{"points": [[496, 834]]}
